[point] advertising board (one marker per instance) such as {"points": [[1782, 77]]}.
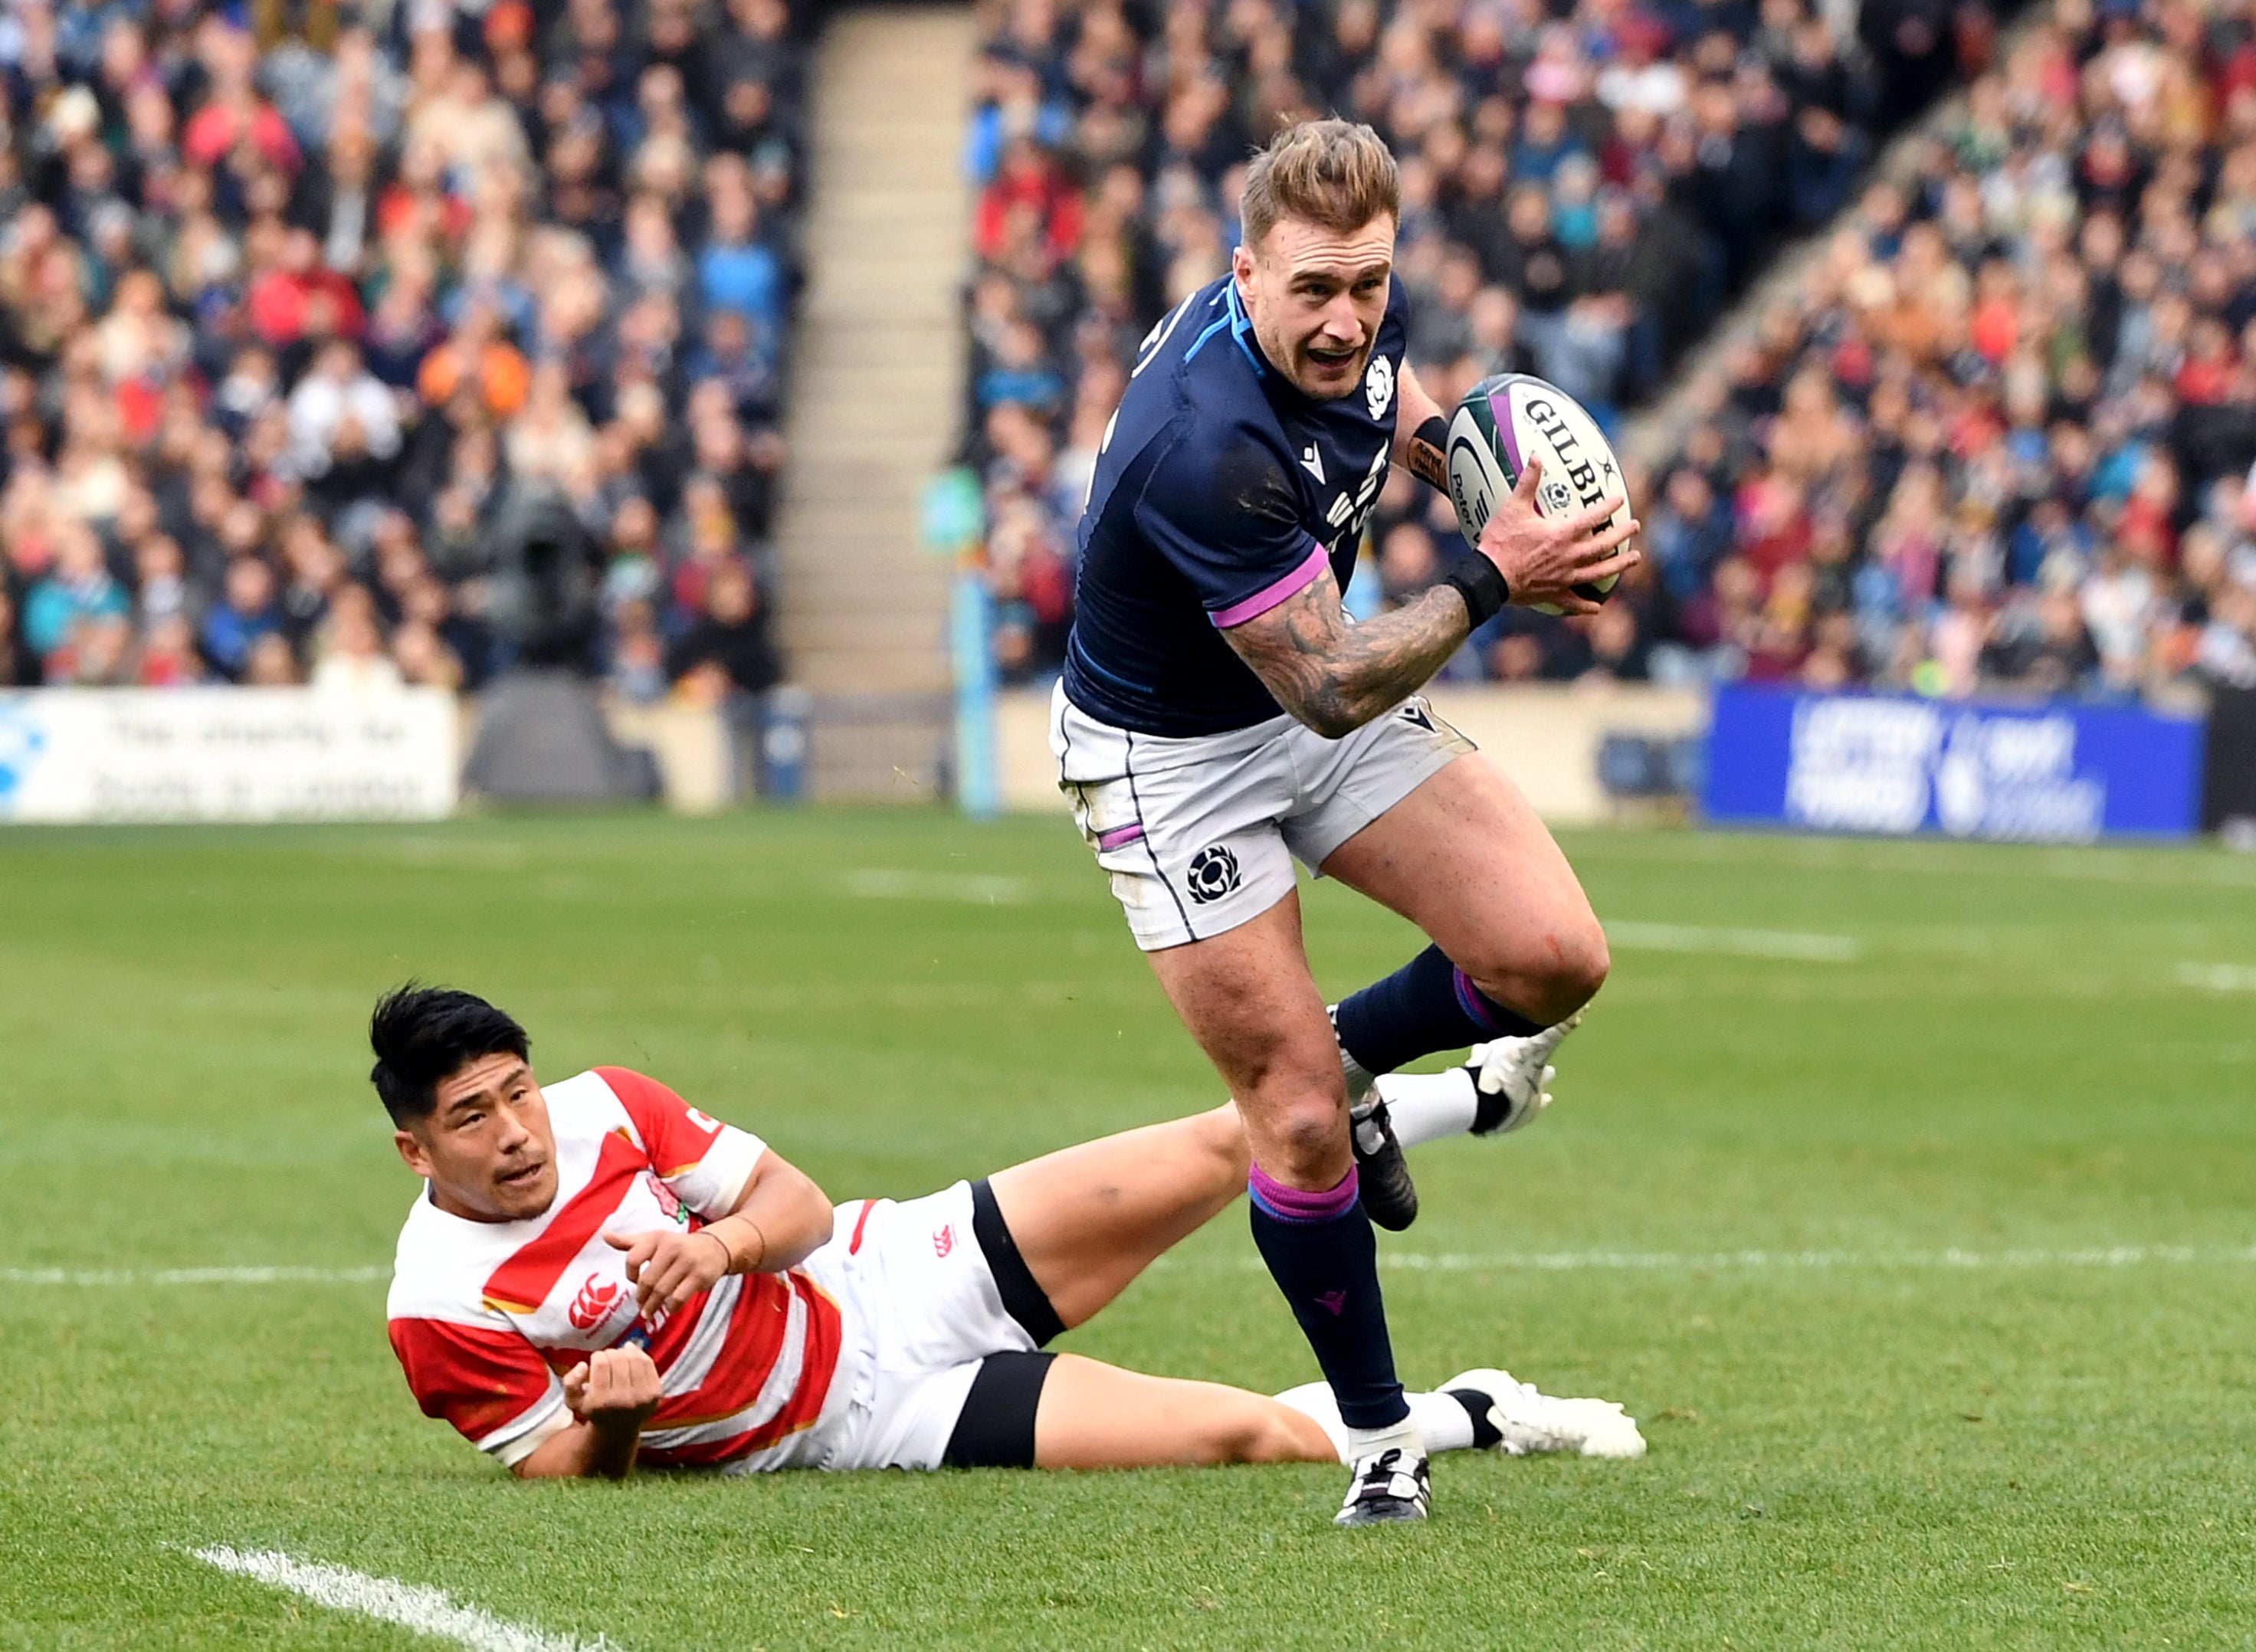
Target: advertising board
{"points": [[2047, 773], [227, 754]]}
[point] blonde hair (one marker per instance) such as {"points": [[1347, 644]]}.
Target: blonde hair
{"points": [[1337, 173]]}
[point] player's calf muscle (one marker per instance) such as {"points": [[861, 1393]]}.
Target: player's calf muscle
{"points": [[1096, 1415]]}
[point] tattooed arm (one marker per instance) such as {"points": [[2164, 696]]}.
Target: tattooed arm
{"points": [[1417, 452], [1335, 675]]}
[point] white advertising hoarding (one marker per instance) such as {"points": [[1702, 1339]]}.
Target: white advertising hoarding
{"points": [[227, 754]]}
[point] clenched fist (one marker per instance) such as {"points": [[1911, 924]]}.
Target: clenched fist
{"points": [[668, 1267], [618, 1388]]}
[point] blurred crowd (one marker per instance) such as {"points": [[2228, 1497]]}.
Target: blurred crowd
{"points": [[1585, 186], [2002, 433], [296, 297]]}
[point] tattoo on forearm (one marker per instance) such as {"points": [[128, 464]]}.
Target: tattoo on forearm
{"points": [[1335, 675], [1426, 462]]}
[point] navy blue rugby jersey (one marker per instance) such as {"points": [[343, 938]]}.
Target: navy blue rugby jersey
{"points": [[1220, 491]]}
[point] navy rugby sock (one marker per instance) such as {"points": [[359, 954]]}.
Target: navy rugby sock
{"points": [[1428, 1004], [1322, 1253]]}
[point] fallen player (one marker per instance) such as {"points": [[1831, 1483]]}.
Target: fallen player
{"points": [[598, 1276]]}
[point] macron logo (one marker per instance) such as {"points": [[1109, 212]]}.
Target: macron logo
{"points": [[1313, 463]]}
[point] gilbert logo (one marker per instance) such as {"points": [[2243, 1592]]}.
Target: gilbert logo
{"points": [[944, 1240], [594, 1304]]}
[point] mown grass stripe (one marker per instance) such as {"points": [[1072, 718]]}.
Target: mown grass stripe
{"points": [[1745, 943], [1949, 1260]]}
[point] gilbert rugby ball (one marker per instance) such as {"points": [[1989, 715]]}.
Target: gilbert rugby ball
{"points": [[1504, 421]]}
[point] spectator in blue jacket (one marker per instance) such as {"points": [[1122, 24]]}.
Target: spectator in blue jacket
{"points": [[246, 612]]}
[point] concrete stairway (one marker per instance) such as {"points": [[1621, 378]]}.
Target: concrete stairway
{"points": [[875, 397]]}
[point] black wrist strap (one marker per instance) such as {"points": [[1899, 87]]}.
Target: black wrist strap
{"points": [[1483, 586], [1434, 432]]}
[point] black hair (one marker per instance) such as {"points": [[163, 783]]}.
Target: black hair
{"points": [[423, 1035]]}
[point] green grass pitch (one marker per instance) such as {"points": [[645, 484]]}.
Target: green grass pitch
{"points": [[1925, 1256]]}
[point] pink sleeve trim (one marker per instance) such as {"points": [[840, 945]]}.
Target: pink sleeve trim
{"points": [[1266, 598]]}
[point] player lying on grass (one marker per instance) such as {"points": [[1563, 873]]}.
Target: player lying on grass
{"points": [[598, 1274]]}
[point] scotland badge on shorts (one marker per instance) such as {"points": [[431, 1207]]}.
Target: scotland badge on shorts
{"points": [[1213, 873]]}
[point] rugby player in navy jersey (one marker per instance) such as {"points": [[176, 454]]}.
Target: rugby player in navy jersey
{"points": [[1220, 715]]}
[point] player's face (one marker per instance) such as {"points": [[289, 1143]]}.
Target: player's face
{"points": [[486, 1148], [1316, 298]]}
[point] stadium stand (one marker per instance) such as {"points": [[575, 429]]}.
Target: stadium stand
{"points": [[294, 299], [1584, 189], [2001, 432]]}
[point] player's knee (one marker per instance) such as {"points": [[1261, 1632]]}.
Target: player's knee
{"points": [[1584, 962], [1548, 982], [1304, 1143], [1295, 1114], [1573, 981]]}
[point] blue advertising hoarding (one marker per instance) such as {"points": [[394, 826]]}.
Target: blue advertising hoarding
{"points": [[2053, 772]]}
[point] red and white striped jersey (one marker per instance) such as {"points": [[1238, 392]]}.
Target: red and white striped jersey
{"points": [[487, 1316]]}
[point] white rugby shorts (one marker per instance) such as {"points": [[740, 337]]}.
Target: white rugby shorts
{"points": [[1200, 834], [921, 1310]]}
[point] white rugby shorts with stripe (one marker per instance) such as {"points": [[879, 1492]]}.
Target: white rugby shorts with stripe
{"points": [[1200, 834]]}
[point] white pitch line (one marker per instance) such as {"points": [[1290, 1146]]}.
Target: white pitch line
{"points": [[1746, 943], [2219, 977], [415, 1606], [1955, 1257], [192, 1275], [979, 890]]}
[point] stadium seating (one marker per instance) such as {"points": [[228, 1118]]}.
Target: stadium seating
{"points": [[1995, 437], [1582, 196], [287, 318], [1999, 435]]}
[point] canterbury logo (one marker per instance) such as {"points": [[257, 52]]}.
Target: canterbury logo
{"points": [[944, 1240], [594, 1304]]}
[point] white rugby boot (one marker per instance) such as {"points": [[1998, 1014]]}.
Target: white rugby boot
{"points": [[1527, 1423], [1512, 1077]]}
